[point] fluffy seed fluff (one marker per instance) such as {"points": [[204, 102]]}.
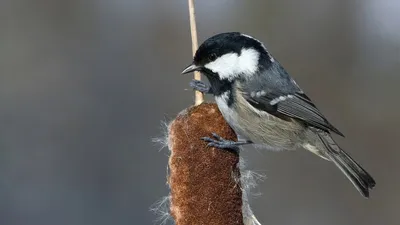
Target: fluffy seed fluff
{"points": [[248, 181]]}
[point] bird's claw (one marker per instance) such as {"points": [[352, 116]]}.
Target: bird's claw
{"points": [[219, 142]]}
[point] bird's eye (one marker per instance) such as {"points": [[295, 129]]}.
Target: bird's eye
{"points": [[212, 57]]}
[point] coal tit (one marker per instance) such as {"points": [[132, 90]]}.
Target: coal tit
{"points": [[264, 105]]}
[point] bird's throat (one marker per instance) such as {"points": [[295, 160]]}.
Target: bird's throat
{"points": [[219, 86]]}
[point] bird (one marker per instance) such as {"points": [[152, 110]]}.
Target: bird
{"points": [[264, 105]]}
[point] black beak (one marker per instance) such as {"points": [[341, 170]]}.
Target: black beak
{"points": [[192, 67]]}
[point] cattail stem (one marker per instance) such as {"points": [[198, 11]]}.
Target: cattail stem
{"points": [[199, 98]]}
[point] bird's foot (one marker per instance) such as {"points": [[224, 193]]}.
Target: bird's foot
{"points": [[222, 143]]}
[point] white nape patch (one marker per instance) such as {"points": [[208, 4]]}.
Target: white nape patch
{"points": [[231, 65], [280, 99], [262, 44]]}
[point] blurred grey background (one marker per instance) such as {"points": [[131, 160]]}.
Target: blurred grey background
{"points": [[84, 86]]}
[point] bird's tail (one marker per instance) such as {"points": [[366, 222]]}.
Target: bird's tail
{"points": [[353, 171]]}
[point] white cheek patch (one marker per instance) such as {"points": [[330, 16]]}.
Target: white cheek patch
{"points": [[231, 65]]}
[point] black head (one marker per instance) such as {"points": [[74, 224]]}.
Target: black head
{"points": [[222, 44], [229, 55]]}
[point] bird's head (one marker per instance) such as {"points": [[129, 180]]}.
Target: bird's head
{"points": [[229, 56]]}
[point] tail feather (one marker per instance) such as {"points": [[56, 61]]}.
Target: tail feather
{"points": [[360, 178]]}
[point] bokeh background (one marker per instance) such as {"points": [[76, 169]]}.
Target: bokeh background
{"points": [[84, 86]]}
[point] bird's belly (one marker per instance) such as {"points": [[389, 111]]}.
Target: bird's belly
{"points": [[263, 128]]}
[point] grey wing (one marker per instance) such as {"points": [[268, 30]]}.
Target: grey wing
{"points": [[288, 102], [300, 106]]}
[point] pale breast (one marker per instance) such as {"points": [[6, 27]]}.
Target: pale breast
{"points": [[259, 126]]}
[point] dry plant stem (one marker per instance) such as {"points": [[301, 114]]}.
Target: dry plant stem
{"points": [[204, 181], [199, 98]]}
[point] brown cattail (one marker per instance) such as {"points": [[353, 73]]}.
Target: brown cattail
{"points": [[204, 181]]}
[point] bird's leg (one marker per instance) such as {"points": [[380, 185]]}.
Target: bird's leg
{"points": [[220, 142], [201, 86]]}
